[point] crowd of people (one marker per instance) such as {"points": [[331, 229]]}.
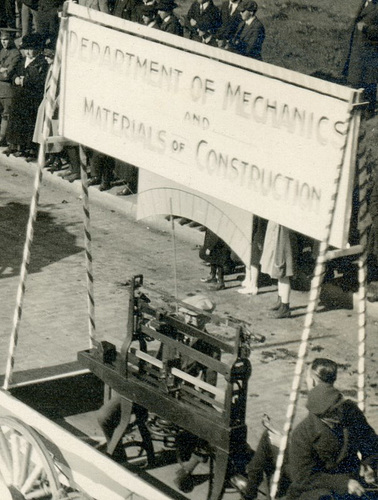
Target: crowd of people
{"points": [[26, 60]]}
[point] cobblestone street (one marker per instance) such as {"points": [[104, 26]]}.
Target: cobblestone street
{"points": [[54, 323]]}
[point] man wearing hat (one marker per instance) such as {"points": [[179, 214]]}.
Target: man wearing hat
{"points": [[204, 10], [28, 87], [170, 23], [250, 35], [10, 57], [149, 16]]}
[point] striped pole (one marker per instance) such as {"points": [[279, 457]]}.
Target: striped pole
{"points": [[362, 276], [174, 251], [88, 258], [49, 109], [311, 308]]}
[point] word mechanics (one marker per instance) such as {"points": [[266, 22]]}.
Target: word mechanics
{"points": [[200, 102]]}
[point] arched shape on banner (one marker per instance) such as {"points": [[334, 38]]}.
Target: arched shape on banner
{"points": [[159, 201]]}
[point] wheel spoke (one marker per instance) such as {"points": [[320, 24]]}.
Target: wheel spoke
{"points": [[15, 451], [5, 457], [35, 474], [24, 467]]}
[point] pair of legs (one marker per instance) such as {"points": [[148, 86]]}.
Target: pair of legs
{"points": [[263, 464]]}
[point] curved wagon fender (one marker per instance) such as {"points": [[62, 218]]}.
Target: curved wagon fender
{"points": [[93, 472]]}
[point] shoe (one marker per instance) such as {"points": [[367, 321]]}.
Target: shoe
{"points": [[104, 186], [66, 173], [282, 312], [19, 154], [209, 279], [125, 191], [249, 290], [277, 305], [184, 481], [93, 181], [9, 151], [72, 177]]}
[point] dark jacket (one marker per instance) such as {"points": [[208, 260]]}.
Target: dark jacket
{"points": [[172, 26], [248, 39], [362, 62], [33, 4], [324, 446], [127, 9], [220, 253], [211, 16], [26, 99], [230, 23], [9, 59]]}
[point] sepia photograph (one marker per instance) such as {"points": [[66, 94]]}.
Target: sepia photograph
{"points": [[188, 250]]}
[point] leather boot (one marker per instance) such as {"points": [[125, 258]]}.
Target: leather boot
{"points": [[282, 312]]}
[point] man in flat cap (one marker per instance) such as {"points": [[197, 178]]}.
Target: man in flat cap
{"points": [[170, 23], [250, 35], [10, 57]]}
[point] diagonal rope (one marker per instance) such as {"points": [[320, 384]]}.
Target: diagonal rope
{"points": [[363, 216], [311, 308], [49, 109], [88, 258]]}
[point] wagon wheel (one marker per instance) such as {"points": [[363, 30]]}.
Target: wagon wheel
{"points": [[26, 468]]}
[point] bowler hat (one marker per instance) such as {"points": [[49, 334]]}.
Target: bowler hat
{"points": [[166, 5], [32, 41], [249, 5]]}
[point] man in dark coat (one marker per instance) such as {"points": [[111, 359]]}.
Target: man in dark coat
{"points": [[206, 11], [28, 87], [149, 16], [321, 459], [10, 57], [361, 68], [231, 18], [170, 23], [250, 35], [127, 9], [324, 448]]}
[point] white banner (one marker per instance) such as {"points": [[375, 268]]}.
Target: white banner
{"points": [[263, 144]]}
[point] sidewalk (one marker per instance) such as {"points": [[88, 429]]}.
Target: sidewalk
{"points": [[56, 299]]}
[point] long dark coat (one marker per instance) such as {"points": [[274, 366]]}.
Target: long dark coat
{"points": [[362, 61], [9, 59], [248, 39], [230, 23], [323, 453], [211, 16], [26, 99], [172, 26], [220, 253]]}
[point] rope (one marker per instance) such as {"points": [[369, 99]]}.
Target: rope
{"points": [[174, 251], [362, 274], [49, 109], [311, 308], [88, 258]]}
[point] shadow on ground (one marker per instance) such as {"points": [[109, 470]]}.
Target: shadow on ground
{"points": [[51, 242]]}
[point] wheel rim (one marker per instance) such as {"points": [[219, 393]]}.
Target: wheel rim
{"points": [[26, 467]]}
